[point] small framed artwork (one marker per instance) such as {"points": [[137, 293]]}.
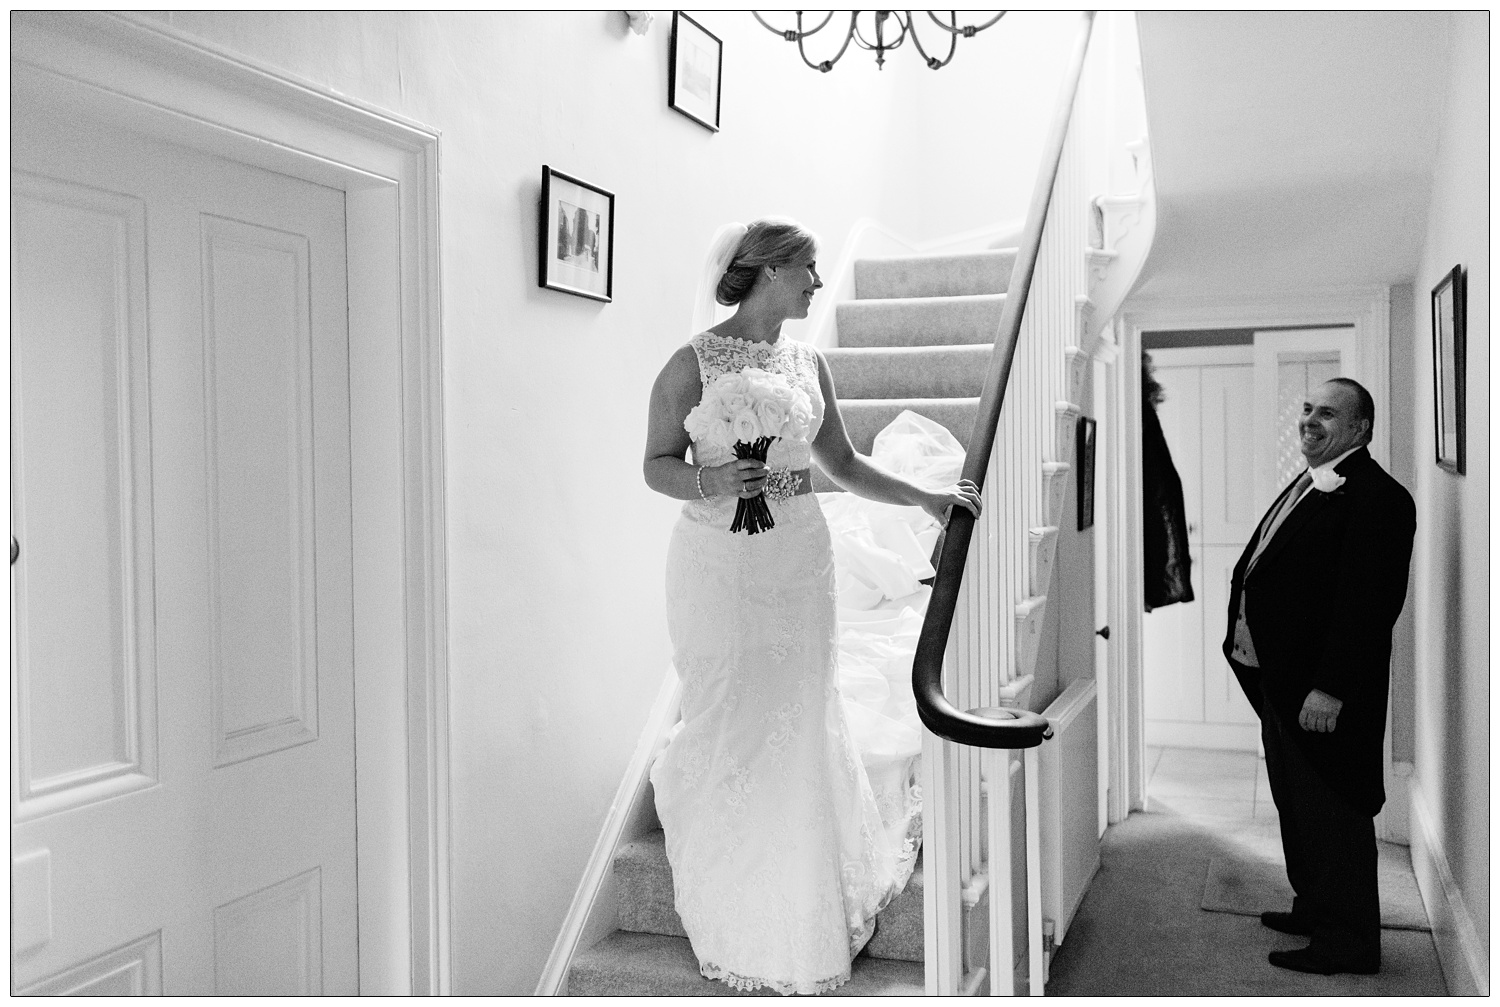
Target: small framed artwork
{"points": [[1085, 455], [1449, 324], [577, 241], [695, 70]]}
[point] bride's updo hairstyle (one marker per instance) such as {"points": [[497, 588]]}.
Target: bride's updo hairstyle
{"points": [[769, 241]]}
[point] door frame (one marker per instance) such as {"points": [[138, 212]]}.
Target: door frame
{"points": [[1367, 309], [149, 77]]}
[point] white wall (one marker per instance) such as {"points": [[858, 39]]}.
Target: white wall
{"points": [[1406, 455], [1452, 601], [558, 639]]}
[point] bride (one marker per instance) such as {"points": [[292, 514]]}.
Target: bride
{"points": [[780, 858]]}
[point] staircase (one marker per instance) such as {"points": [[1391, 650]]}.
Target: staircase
{"points": [[650, 955], [918, 335]]}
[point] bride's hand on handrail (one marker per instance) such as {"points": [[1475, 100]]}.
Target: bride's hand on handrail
{"points": [[964, 494], [743, 477]]}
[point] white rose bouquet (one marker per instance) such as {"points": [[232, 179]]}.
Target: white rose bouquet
{"points": [[745, 411]]}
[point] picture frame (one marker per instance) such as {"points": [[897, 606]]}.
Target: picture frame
{"points": [[1449, 336], [695, 71], [576, 237], [1087, 429]]}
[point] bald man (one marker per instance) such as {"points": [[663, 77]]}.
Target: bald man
{"points": [[1311, 606]]}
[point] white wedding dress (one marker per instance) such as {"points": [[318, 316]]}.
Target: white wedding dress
{"points": [[782, 853]]}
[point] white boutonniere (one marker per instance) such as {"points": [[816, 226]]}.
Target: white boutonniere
{"points": [[1326, 480]]}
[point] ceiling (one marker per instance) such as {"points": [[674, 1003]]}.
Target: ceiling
{"points": [[1290, 150]]}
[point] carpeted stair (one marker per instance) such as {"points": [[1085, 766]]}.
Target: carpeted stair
{"points": [[917, 336], [650, 955]]}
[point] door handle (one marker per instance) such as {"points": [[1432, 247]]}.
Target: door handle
{"points": [[1102, 632], [15, 550]]}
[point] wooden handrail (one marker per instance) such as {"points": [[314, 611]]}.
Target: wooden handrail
{"points": [[991, 727]]}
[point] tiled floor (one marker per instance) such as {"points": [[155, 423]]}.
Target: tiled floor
{"points": [[1204, 783]]}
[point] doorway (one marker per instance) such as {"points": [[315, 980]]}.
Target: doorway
{"points": [[1229, 405], [149, 80], [1233, 440]]}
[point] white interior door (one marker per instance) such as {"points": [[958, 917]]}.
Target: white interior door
{"points": [[1229, 518], [1192, 699], [1172, 637], [182, 668]]}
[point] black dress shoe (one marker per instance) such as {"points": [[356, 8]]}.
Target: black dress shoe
{"points": [[1287, 923], [1310, 959]]}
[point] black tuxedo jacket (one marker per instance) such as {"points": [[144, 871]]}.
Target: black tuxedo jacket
{"points": [[1320, 605]]}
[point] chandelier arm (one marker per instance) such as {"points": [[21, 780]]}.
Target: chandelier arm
{"points": [[859, 39], [798, 35], [827, 64], [952, 45], [968, 31]]}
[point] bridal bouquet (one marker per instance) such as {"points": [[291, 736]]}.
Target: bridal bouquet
{"points": [[745, 412]]}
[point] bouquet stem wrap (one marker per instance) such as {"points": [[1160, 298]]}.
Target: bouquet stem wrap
{"points": [[753, 515]]}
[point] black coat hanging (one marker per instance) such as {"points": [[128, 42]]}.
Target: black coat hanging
{"points": [[1168, 565]]}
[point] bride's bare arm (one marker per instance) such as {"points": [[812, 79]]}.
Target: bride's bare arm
{"points": [[677, 390], [855, 472]]}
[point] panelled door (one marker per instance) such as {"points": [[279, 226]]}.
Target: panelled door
{"points": [[1192, 699], [182, 669]]}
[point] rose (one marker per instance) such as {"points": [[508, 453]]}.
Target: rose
{"points": [[745, 427], [772, 415], [799, 417], [699, 419], [1325, 480]]}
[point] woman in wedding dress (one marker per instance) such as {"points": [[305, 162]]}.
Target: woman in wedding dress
{"points": [[780, 857]]}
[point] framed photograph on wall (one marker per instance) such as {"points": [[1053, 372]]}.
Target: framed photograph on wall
{"points": [[577, 241], [1449, 323], [695, 69], [1085, 456]]}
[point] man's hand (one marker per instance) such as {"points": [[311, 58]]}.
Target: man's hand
{"points": [[1320, 712]]}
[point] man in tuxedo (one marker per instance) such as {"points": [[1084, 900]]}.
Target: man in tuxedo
{"points": [[1311, 606]]}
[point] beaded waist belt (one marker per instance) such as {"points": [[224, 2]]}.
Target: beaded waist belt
{"points": [[783, 484]]}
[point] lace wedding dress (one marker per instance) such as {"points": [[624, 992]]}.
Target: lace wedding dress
{"points": [[781, 852]]}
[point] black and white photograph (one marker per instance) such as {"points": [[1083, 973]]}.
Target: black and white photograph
{"points": [[1006, 515], [1087, 430], [695, 71], [576, 246]]}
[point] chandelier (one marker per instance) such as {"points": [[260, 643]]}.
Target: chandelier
{"points": [[880, 28]]}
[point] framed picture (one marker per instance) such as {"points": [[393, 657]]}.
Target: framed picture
{"points": [[1085, 455], [1449, 323], [577, 241], [695, 70]]}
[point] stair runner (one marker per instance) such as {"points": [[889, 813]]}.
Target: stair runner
{"points": [[918, 336]]}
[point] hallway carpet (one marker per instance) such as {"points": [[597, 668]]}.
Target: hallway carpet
{"points": [[1141, 932]]}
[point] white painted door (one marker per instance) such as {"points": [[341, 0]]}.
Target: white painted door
{"points": [[1192, 699], [1172, 637], [1226, 523], [182, 668]]}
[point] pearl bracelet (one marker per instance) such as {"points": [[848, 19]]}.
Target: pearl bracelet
{"points": [[699, 480]]}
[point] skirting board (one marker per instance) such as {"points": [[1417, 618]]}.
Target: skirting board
{"points": [[1186, 734], [585, 923], [1464, 958]]}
